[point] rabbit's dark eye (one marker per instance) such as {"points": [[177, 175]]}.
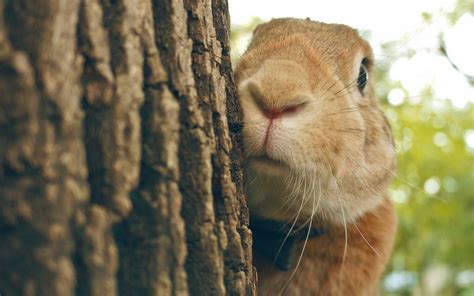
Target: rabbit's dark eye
{"points": [[363, 75]]}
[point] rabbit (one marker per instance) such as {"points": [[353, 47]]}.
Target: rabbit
{"points": [[319, 156]]}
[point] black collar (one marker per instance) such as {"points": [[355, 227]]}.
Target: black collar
{"points": [[269, 238]]}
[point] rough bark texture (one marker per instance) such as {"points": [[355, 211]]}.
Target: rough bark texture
{"points": [[120, 150]]}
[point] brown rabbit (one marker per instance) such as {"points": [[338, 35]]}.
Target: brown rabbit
{"points": [[319, 156]]}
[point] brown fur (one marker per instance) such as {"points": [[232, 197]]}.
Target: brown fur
{"points": [[322, 271], [332, 156]]}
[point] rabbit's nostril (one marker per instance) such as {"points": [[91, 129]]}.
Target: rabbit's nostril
{"points": [[291, 109], [272, 113], [275, 113]]}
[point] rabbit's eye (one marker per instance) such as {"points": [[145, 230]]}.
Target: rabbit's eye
{"points": [[363, 75]]}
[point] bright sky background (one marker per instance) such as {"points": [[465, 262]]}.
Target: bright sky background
{"points": [[390, 21]]}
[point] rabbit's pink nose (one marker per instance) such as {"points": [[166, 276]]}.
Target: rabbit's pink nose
{"points": [[271, 113]]}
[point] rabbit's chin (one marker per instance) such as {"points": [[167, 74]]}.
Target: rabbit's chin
{"points": [[276, 191]]}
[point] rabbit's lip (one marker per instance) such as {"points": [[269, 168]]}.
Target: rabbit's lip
{"points": [[267, 160]]}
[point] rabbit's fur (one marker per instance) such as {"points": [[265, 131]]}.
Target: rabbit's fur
{"points": [[318, 148]]}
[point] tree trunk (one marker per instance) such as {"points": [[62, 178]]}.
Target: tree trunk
{"points": [[120, 150]]}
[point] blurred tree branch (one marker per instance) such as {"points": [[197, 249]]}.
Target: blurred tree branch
{"points": [[443, 51]]}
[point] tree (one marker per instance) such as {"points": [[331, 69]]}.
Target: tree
{"points": [[120, 150]]}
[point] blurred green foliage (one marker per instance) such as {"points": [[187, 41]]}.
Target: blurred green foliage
{"points": [[462, 6], [434, 186]]}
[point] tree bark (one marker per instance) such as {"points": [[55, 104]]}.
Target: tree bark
{"points": [[120, 150]]}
